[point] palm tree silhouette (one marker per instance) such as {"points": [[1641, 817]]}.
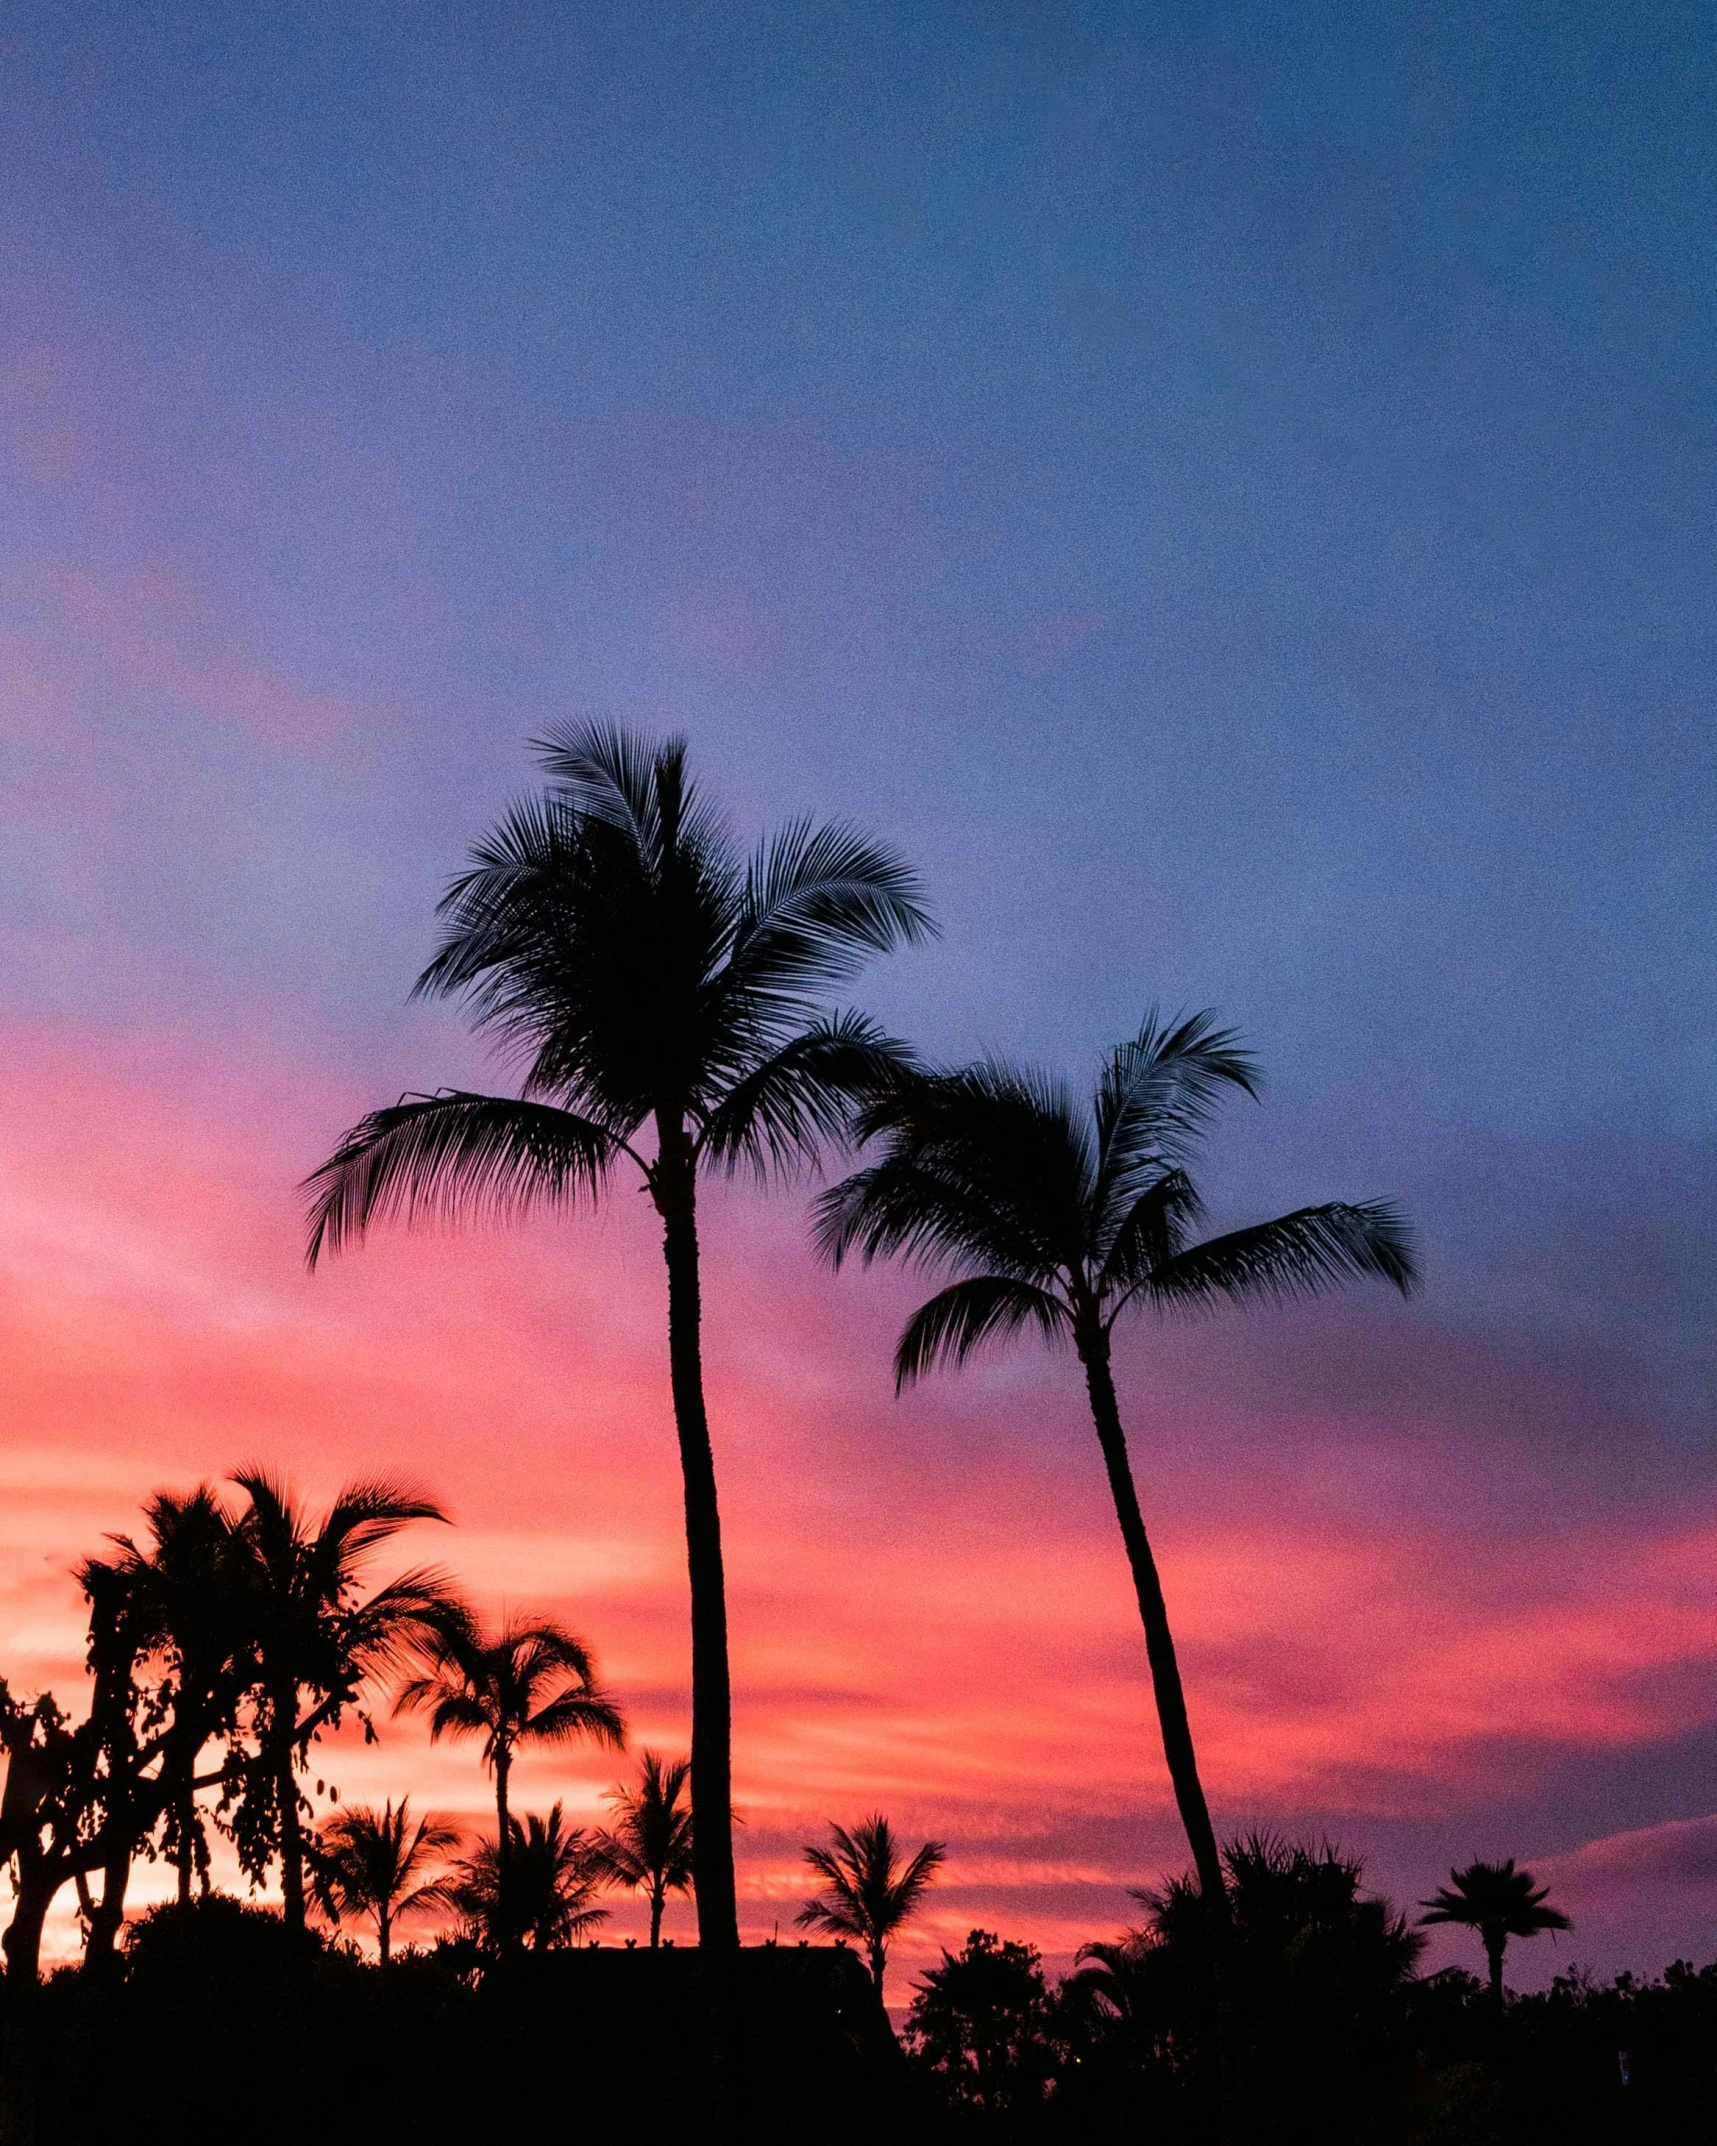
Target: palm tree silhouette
{"points": [[372, 1863], [1499, 1902], [649, 1846], [1062, 1219], [316, 1639], [871, 1892], [548, 1896], [611, 934], [530, 1684]]}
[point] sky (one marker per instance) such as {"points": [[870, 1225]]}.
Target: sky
{"points": [[1227, 491]]}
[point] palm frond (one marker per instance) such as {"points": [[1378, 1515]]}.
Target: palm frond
{"points": [[785, 1109], [959, 1318], [1154, 1100], [1151, 1232], [452, 1155], [1297, 1255], [819, 901]]}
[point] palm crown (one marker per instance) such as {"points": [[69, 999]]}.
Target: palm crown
{"points": [[1499, 1902], [374, 1862], [1062, 1218], [317, 1636], [1072, 1217], [872, 1891], [649, 1846], [542, 1893], [665, 998]]}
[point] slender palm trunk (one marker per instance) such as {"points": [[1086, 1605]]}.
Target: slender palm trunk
{"points": [[658, 1900], [712, 1792], [291, 1823], [503, 1850], [1153, 1613], [384, 1932], [1495, 1947]]}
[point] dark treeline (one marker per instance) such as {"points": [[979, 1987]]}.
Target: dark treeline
{"points": [[668, 999]]}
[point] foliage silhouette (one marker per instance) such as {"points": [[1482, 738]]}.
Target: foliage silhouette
{"points": [[317, 1640], [547, 1896], [649, 1846], [1499, 1902], [871, 1893], [186, 1584], [978, 2027], [373, 1863], [532, 1683], [610, 934], [1060, 1219]]}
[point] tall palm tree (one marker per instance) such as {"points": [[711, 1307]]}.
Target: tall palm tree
{"points": [[667, 1000], [1061, 1219], [1499, 1902], [548, 1897], [317, 1639], [530, 1684], [373, 1863], [871, 1892], [649, 1846]]}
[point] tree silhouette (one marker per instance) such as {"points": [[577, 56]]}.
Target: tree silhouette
{"points": [[1499, 1902], [871, 1892], [649, 1846], [1062, 1219], [549, 1895], [978, 2022], [610, 934], [530, 1684], [317, 1639], [372, 1863], [185, 1584]]}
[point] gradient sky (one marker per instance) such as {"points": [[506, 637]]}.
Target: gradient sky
{"points": [[1229, 492]]}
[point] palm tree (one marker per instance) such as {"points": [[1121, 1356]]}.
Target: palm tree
{"points": [[649, 1847], [666, 999], [317, 1639], [530, 1684], [871, 1892], [1062, 1219], [1499, 1902], [373, 1862], [547, 1898]]}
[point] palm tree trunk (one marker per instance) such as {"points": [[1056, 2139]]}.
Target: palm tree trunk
{"points": [[503, 1850], [291, 1828], [384, 1931], [1494, 1950], [1159, 1640], [712, 1762], [658, 1899]]}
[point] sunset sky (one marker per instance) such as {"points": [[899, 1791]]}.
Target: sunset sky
{"points": [[1228, 492]]}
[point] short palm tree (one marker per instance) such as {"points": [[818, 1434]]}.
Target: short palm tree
{"points": [[548, 1896], [871, 1892], [373, 1863], [316, 1639], [1061, 1219], [1499, 1902], [666, 998], [649, 1846], [529, 1684]]}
